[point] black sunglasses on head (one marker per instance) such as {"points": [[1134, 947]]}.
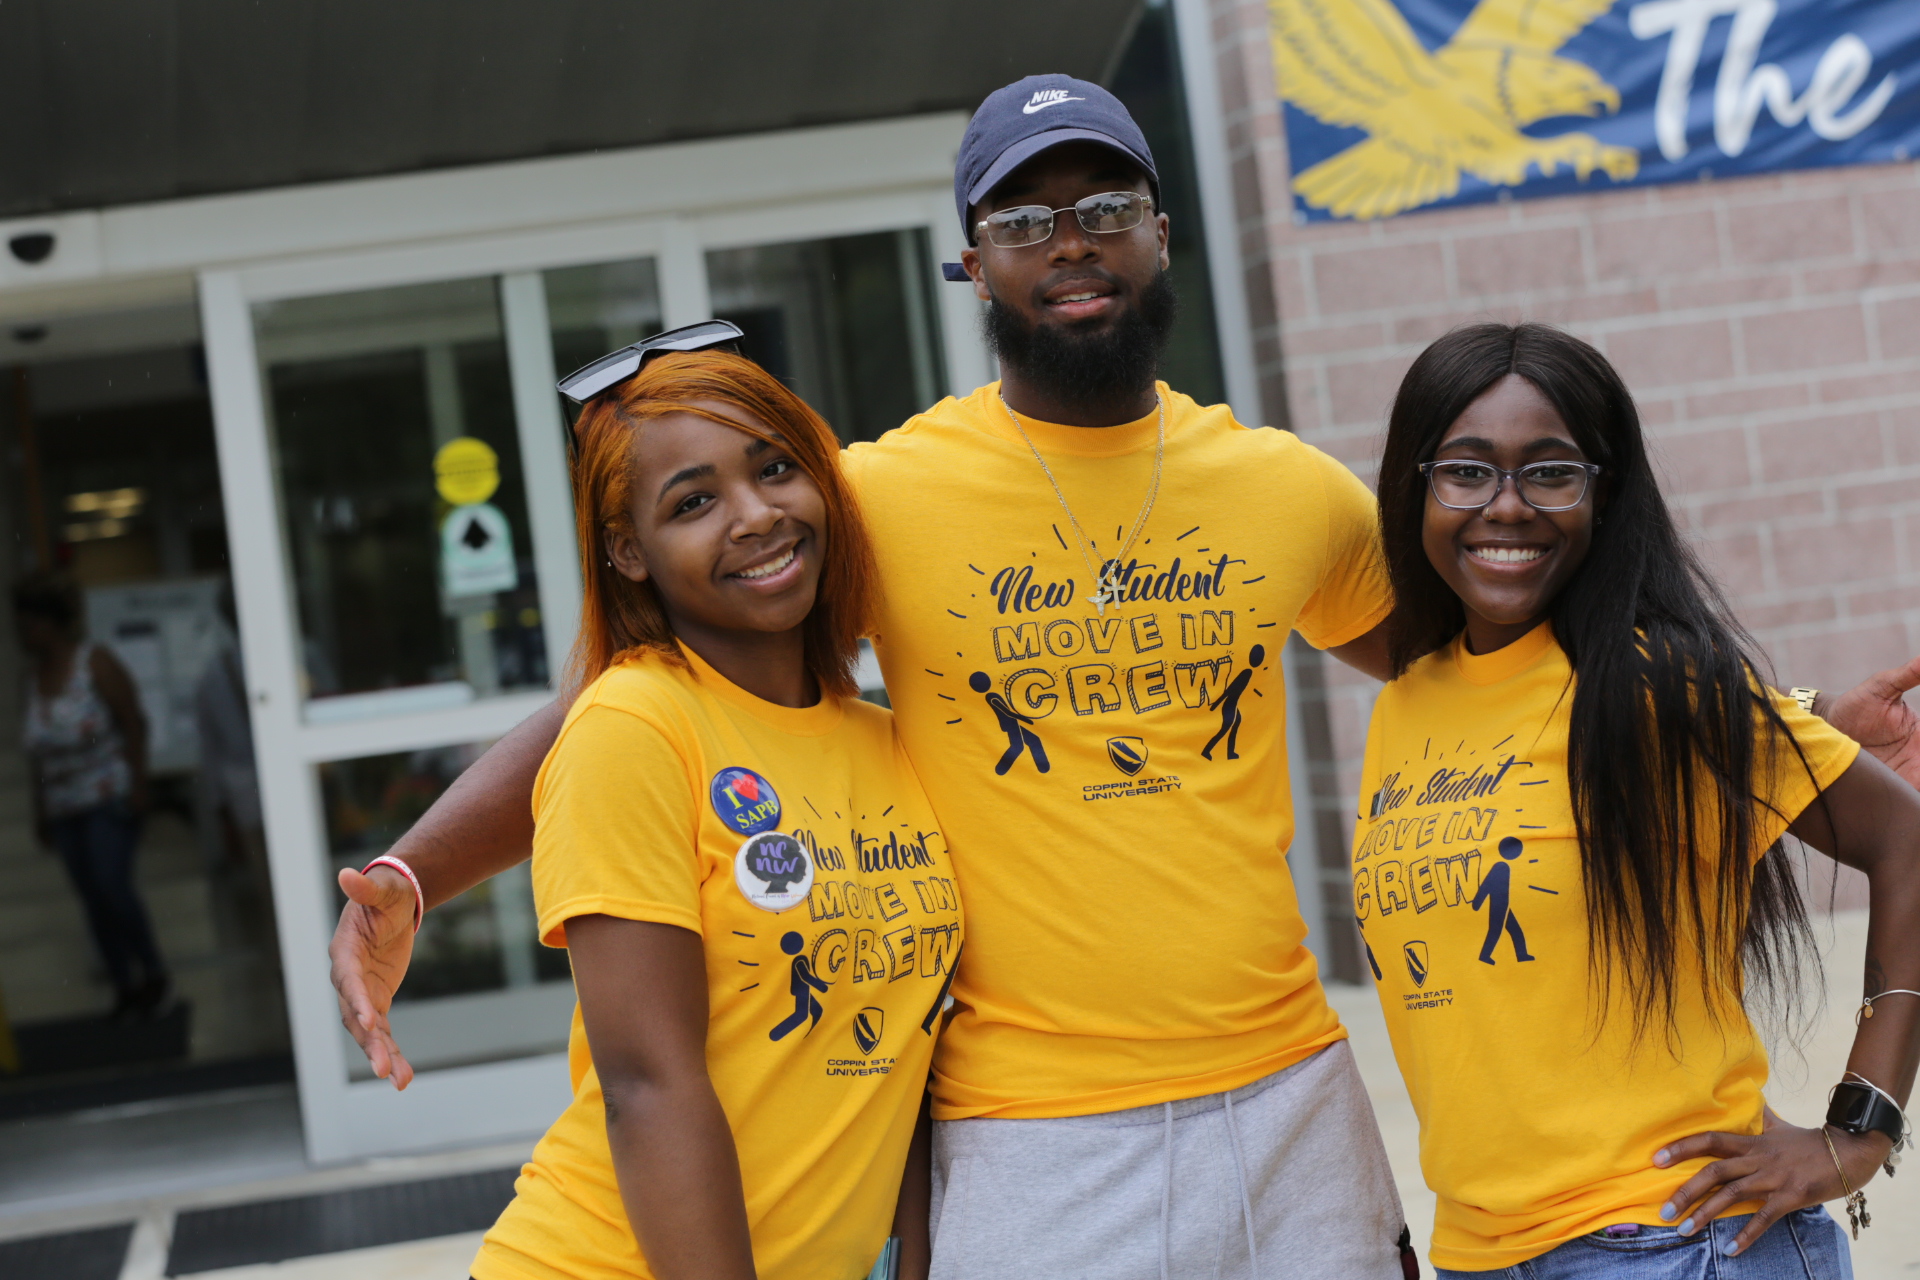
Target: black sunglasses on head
{"points": [[588, 381]]}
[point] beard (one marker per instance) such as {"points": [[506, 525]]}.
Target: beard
{"points": [[1104, 368]]}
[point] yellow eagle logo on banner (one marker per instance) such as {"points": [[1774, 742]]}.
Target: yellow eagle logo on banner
{"points": [[1434, 116]]}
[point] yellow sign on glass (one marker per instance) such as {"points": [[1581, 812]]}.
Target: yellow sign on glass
{"points": [[466, 471]]}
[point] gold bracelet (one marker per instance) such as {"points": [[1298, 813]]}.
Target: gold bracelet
{"points": [[1857, 1215], [1804, 696]]}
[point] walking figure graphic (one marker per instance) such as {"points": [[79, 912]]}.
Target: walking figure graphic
{"points": [[1371, 962], [803, 984], [1228, 705], [1494, 891], [1013, 724]]}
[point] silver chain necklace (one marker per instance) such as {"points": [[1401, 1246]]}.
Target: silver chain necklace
{"points": [[1106, 586]]}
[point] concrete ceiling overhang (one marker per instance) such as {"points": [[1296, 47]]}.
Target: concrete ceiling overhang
{"points": [[110, 102]]}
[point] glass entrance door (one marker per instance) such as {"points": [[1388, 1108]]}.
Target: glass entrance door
{"points": [[407, 582], [406, 596]]}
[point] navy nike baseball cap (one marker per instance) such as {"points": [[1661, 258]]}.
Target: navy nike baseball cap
{"points": [[1029, 116]]}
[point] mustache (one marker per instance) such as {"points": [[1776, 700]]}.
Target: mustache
{"points": [[1100, 274]]}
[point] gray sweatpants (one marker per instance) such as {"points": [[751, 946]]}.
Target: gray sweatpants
{"points": [[1283, 1177]]}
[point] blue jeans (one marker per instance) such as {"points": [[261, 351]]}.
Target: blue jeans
{"points": [[98, 846], [1805, 1245]]}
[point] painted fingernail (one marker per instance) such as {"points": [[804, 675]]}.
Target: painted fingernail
{"points": [[1660, 1157], [1686, 1228], [1730, 1248], [1666, 1212]]}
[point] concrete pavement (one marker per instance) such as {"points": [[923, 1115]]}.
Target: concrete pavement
{"points": [[1890, 1250]]}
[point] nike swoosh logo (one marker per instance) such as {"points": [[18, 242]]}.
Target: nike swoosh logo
{"points": [[1032, 107]]}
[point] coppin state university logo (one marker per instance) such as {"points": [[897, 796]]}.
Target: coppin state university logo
{"points": [[1129, 755], [1416, 954], [868, 1026]]}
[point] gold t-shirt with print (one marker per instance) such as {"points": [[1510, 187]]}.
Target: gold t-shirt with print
{"points": [[1534, 1130], [798, 844], [1113, 780]]}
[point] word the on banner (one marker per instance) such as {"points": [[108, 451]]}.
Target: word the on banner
{"points": [[1398, 105]]}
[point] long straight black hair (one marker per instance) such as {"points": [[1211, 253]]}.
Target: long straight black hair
{"points": [[1664, 739]]}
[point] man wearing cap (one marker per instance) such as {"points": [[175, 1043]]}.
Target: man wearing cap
{"points": [[1084, 571]]}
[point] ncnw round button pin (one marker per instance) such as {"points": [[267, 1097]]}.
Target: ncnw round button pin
{"points": [[773, 871]]}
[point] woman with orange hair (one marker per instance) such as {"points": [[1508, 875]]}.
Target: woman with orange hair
{"points": [[754, 894]]}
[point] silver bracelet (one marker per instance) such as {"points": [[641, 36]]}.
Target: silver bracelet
{"points": [[1866, 1003]]}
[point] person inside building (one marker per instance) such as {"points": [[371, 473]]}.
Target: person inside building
{"points": [[86, 746], [1097, 550], [748, 1063], [1578, 734]]}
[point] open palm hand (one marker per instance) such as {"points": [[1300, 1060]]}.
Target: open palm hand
{"points": [[371, 948]]}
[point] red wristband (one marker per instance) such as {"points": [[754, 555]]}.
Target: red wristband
{"points": [[419, 897]]}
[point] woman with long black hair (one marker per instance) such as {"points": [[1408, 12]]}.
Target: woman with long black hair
{"points": [[1568, 870]]}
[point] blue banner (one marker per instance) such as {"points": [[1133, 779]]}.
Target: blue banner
{"points": [[1397, 105]]}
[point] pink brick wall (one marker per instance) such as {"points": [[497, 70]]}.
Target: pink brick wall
{"points": [[1769, 328]]}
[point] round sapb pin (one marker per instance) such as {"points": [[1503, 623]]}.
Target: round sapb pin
{"points": [[745, 801], [773, 871]]}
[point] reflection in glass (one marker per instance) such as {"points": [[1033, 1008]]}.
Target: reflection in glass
{"points": [[1147, 81], [365, 390], [480, 986], [599, 308], [848, 323]]}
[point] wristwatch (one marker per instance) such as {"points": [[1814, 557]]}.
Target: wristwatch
{"points": [[1856, 1109], [1804, 697]]}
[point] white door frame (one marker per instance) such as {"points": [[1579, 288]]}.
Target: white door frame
{"points": [[1207, 114], [485, 1102]]}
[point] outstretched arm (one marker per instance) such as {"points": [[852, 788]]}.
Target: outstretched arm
{"points": [[1870, 820], [479, 827]]}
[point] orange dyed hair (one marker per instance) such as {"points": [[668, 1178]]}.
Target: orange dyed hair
{"points": [[619, 617]]}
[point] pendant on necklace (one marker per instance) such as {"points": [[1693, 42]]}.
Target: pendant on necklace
{"points": [[1106, 593]]}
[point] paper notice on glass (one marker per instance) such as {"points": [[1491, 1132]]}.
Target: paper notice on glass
{"points": [[476, 551]]}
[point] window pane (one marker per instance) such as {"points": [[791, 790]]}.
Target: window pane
{"points": [[480, 987], [400, 483], [1147, 80], [848, 323], [599, 308]]}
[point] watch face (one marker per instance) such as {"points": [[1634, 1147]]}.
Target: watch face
{"points": [[1858, 1109]]}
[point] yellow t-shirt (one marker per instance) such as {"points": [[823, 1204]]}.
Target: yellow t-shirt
{"points": [[798, 844], [1533, 1129], [1113, 782]]}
